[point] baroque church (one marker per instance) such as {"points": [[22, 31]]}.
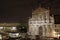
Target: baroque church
{"points": [[41, 23]]}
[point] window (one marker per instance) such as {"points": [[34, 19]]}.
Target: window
{"points": [[57, 30]]}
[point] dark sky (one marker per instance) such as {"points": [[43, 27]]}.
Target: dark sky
{"points": [[20, 10], [15, 10]]}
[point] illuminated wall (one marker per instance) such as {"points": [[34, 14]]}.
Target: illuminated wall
{"points": [[41, 18], [57, 29]]}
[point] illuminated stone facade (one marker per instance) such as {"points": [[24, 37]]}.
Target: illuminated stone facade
{"points": [[41, 22]]}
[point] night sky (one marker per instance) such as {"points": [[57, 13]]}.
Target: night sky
{"points": [[15, 10], [20, 10]]}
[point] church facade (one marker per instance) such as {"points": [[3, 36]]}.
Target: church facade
{"points": [[41, 23]]}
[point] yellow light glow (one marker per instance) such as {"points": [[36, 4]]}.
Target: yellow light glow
{"points": [[54, 32], [58, 35]]}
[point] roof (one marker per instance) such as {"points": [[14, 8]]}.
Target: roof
{"points": [[39, 10], [9, 24]]}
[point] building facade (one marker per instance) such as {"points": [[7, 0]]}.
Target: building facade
{"points": [[57, 29], [41, 23]]}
